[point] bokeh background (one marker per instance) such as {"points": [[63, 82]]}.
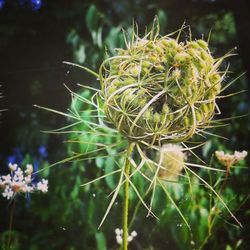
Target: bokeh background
{"points": [[36, 36]]}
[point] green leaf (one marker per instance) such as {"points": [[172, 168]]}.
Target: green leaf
{"points": [[101, 241], [92, 18], [206, 148], [90, 211], [46, 169], [112, 39], [99, 161], [74, 192], [162, 19], [80, 54], [72, 38], [202, 225], [228, 247], [109, 167]]}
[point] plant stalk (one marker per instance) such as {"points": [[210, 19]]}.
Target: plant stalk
{"points": [[11, 224], [126, 197]]}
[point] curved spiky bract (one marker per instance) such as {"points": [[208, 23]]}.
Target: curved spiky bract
{"points": [[159, 90]]}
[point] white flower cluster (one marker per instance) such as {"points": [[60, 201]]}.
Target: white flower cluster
{"points": [[230, 159], [119, 233], [19, 181]]}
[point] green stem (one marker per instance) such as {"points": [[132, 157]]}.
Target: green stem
{"points": [[126, 197], [11, 223], [212, 219]]}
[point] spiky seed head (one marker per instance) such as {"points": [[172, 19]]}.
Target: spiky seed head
{"points": [[160, 90]]}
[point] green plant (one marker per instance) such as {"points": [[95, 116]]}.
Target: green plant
{"points": [[151, 93]]}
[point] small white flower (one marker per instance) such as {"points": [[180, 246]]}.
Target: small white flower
{"points": [[27, 189], [130, 238], [29, 169], [240, 155], [12, 167], [118, 231], [119, 239], [27, 179], [134, 234], [19, 172], [43, 186], [18, 178], [8, 193], [16, 185], [7, 179]]}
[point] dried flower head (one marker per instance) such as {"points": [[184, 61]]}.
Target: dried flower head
{"points": [[230, 159], [160, 90], [172, 160]]}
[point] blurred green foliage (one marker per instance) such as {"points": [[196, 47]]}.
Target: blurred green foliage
{"points": [[68, 216]]}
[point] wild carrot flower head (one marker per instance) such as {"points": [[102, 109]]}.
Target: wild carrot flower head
{"points": [[160, 90], [156, 92]]}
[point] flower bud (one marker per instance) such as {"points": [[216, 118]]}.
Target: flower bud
{"points": [[202, 44]]}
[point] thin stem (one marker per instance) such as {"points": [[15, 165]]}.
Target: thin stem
{"points": [[225, 180], [126, 197], [211, 220], [11, 223]]}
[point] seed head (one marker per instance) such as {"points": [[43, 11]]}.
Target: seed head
{"points": [[159, 90]]}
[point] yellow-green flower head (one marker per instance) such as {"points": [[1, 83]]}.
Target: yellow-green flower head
{"points": [[159, 90], [172, 160]]}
